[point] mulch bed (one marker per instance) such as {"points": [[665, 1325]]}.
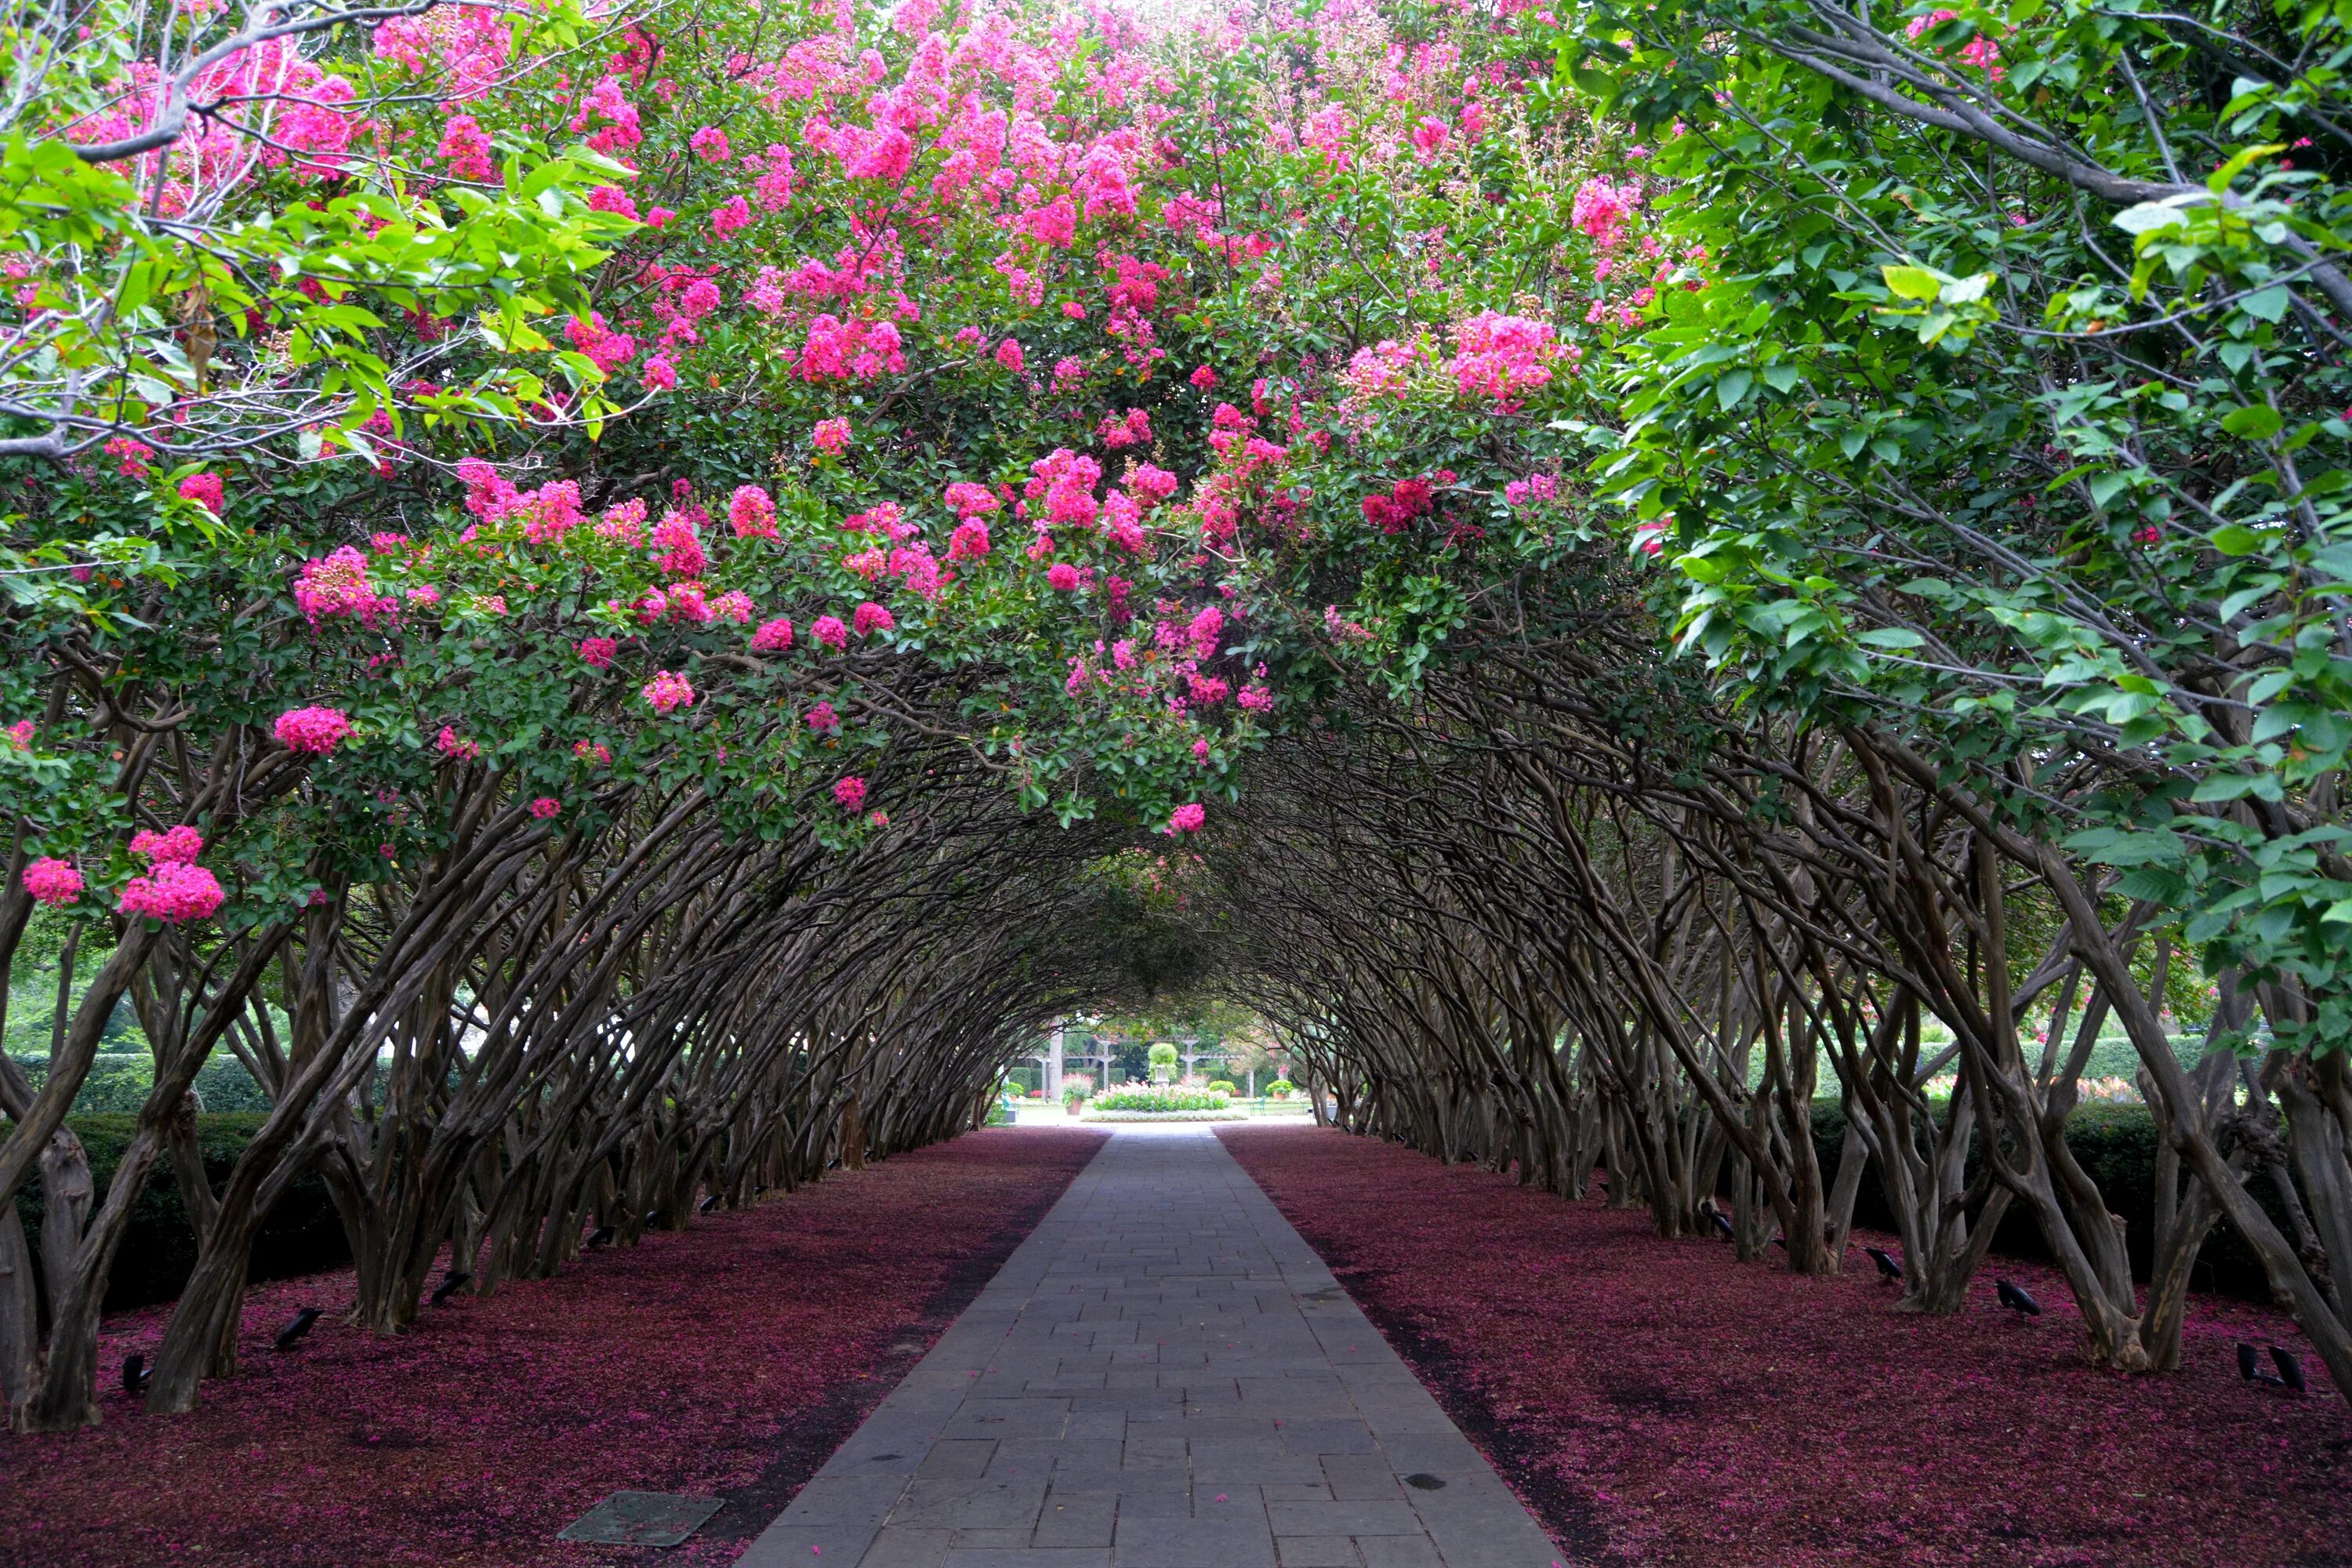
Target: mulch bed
{"points": [[727, 1360], [1656, 1402]]}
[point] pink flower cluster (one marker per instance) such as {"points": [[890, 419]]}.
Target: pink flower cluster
{"points": [[830, 435], [823, 719], [752, 510], [850, 792], [338, 585], [668, 690], [205, 491], [1188, 818], [1534, 488], [870, 618], [174, 892], [1601, 210], [457, 750], [313, 731], [773, 636], [174, 846], [53, 881], [599, 651], [1502, 356], [545, 806]]}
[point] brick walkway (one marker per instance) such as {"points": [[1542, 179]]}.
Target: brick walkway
{"points": [[1162, 1376]]}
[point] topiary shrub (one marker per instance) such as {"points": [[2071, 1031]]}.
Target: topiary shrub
{"points": [[1281, 1089], [1220, 1086]]}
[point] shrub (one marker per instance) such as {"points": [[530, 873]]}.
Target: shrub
{"points": [[1281, 1089], [1220, 1086], [1076, 1088], [302, 1235]]}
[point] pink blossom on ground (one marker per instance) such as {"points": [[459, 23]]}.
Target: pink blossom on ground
{"points": [[870, 618], [780, 1325], [314, 730], [752, 512], [850, 792], [174, 892], [666, 691], [205, 491], [53, 881], [599, 651], [773, 635], [1669, 1407], [828, 630]]}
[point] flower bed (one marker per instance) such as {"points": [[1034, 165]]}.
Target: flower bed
{"points": [[1656, 1402], [1228, 1115], [1159, 1099], [727, 1360]]}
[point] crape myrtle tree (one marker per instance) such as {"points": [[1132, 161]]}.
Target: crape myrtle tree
{"points": [[594, 591]]}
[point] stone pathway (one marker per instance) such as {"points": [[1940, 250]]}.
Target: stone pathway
{"points": [[1162, 1376]]}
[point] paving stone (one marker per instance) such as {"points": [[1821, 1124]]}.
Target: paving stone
{"points": [[1162, 1340]]}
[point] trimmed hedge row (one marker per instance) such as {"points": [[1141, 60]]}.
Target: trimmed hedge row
{"points": [[2116, 1144], [159, 1252]]}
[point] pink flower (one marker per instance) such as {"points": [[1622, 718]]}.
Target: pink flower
{"points": [[828, 630], [709, 145], [599, 651], [1602, 210], [823, 719], [870, 618], [180, 845], [1502, 356], [1429, 139], [316, 731], [338, 585], [1203, 377], [592, 752], [173, 892], [753, 513], [1206, 629], [455, 749], [830, 435], [612, 199], [1008, 354], [658, 374], [877, 818], [545, 806], [20, 735], [732, 605], [1187, 818], [773, 636], [970, 540], [53, 881], [850, 792], [204, 490], [968, 500], [131, 457], [1062, 577], [731, 215], [668, 690], [657, 216]]}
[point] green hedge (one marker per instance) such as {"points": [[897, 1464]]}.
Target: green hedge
{"points": [[159, 1252], [118, 1081], [2116, 1144]]}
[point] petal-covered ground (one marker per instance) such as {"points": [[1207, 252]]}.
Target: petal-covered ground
{"points": [[727, 1360], [1656, 1402]]}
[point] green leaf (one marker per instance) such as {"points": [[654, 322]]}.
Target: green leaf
{"points": [[1733, 386], [1913, 282], [2255, 421]]}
